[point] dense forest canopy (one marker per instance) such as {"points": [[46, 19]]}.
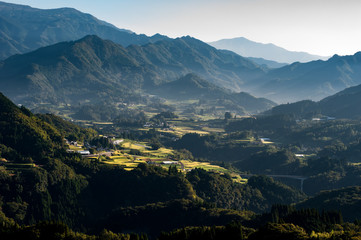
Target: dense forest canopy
{"points": [[42, 181]]}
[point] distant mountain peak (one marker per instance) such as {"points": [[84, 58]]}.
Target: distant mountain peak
{"points": [[312, 80], [74, 70], [268, 51]]}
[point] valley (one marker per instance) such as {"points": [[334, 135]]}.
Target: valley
{"points": [[106, 133]]}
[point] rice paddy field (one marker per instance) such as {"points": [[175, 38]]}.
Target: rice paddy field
{"points": [[158, 157], [76, 148], [188, 165], [180, 131]]}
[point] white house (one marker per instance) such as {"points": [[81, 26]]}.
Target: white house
{"points": [[85, 152]]}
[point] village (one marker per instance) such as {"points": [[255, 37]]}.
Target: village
{"points": [[129, 154]]}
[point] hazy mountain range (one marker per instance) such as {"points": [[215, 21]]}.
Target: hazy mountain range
{"points": [[268, 64], [23, 29], [248, 48], [344, 104], [192, 86], [91, 69], [313, 80], [76, 70]]}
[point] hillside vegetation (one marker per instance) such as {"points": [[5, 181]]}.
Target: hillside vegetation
{"points": [[24, 29]]}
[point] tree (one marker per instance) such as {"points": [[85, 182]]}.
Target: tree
{"points": [[227, 115], [155, 144]]}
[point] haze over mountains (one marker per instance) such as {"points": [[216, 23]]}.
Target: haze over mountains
{"points": [[248, 48], [91, 69], [344, 104], [192, 86], [74, 71], [313, 80], [23, 29]]}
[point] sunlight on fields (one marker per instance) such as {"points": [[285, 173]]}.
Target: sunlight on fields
{"points": [[158, 157], [137, 146], [76, 148], [161, 152], [217, 130], [204, 165], [180, 131]]}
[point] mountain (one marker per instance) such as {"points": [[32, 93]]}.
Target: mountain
{"points": [[248, 48], [313, 80], [344, 104], [68, 71], [267, 63], [23, 29], [250, 103], [23, 136], [181, 56], [191, 86], [93, 69], [346, 200]]}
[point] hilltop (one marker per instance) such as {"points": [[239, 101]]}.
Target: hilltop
{"points": [[91, 68], [248, 48], [344, 104], [313, 80], [24, 29]]}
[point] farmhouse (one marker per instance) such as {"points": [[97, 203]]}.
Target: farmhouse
{"points": [[169, 162], [264, 140], [86, 152], [118, 142], [326, 118]]}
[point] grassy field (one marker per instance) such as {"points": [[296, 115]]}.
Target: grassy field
{"points": [[19, 166], [141, 146], [188, 165], [129, 161], [209, 129], [76, 148], [204, 165], [103, 123], [180, 131], [160, 153]]}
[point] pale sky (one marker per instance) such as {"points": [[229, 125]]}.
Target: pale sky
{"points": [[323, 27]]}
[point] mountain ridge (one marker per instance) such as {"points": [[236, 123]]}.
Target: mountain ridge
{"points": [[312, 80], [269, 51], [344, 104], [24, 29], [191, 86], [91, 68]]}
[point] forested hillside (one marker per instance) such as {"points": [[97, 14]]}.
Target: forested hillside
{"points": [[312, 80], [93, 70], [41, 181], [343, 104], [24, 29]]}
